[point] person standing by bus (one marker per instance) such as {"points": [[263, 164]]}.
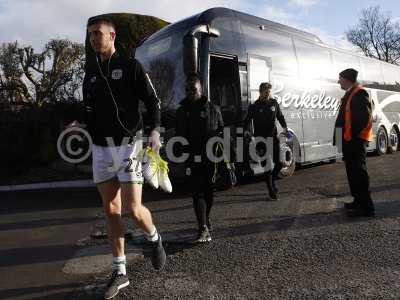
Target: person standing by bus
{"points": [[112, 88], [264, 112], [197, 120], [354, 121]]}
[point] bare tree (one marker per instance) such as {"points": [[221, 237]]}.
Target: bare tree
{"points": [[377, 35]]}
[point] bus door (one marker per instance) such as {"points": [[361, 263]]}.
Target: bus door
{"points": [[225, 88]]}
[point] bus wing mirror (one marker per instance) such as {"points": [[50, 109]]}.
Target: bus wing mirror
{"points": [[190, 54], [191, 45]]}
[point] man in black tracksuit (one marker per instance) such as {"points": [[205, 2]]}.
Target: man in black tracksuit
{"points": [[264, 113], [355, 142], [197, 120]]}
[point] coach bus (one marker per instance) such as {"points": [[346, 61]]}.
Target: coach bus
{"points": [[234, 52]]}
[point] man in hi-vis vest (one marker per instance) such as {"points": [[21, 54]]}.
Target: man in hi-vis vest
{"points": [[354, 121]]}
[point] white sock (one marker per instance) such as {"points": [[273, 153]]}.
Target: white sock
{"points": [[153, 236], [119, 264]]}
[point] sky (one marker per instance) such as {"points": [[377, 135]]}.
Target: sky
{"points": [[35, 22]]}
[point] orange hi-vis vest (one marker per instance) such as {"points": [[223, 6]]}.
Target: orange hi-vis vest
{"points": [[366, 134]]}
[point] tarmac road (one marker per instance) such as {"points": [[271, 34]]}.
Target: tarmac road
{"points": [[300, 247]]}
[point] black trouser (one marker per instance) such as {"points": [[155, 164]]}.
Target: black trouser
{"points": [[202, 190], [270, 176], [354, 156]]}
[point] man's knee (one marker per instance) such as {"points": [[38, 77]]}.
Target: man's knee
{"points": [[136, 213], [112, 208]]}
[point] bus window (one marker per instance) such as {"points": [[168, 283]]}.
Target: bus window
{"points": [[260, 71], [372, 73], [243, 83], [314, 61], [343, 60], [229, 41], [390, 74], [278, 47]]}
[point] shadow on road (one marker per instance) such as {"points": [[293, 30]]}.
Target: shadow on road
{"points": [[52, 292]]}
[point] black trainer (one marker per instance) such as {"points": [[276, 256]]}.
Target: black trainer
{"points": [[204, 235], [273, 196], [361, 212], [351, 205], [158, 257], [116, 283]]}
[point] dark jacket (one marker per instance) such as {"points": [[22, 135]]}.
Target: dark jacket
{"points": [[197, 122], [264, 115], [129, 84], [360, 112]]}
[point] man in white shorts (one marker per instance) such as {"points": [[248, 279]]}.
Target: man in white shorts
{"points": [[112, 88]]}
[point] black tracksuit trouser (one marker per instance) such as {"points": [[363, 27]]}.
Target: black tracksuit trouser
{"points": [[270, 176], [354, 156], [202, 191]]}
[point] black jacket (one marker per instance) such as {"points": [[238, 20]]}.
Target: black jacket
{"points": [[360, 112], [197, 122], [129, 84], [264, 115]]}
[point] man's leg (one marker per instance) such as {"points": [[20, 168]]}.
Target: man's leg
{"points": [[131, 195], [348, 157], [111, 197], [360, 173], [110, 194], [209, 199], [359, 180], [197, 183]]}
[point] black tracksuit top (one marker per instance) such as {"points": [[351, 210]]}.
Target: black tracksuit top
{"points": [[129, 84], [264, 115], [197, 122]]}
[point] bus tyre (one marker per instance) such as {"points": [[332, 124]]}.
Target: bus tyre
{"points": [[289, 159], [381, 142], [393, 140]]}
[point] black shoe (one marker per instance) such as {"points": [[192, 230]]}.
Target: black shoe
{"points": [[116, 283], [361, 212], [351, 205], [158, 256], [209, 226], [273, 196], [204, 235]]}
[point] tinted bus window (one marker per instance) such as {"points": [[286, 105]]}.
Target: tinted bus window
{"points": [[229, 40], [342, 61], [314, 61], [372, 72], [277, 47], [162, 59]]}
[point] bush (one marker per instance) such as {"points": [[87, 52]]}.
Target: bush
{"points": [[29, 135]]}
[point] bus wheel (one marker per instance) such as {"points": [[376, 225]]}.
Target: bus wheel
{"points": [[381, 142], [393, 140], [288, 159]]}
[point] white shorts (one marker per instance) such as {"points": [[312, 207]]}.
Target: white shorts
{"points": [[119, 162]]}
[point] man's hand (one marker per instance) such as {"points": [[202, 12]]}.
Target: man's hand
{"points": [[247, 135], [154, 141]]}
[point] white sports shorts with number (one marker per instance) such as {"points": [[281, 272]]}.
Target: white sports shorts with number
{"points": [[118, 162]]}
